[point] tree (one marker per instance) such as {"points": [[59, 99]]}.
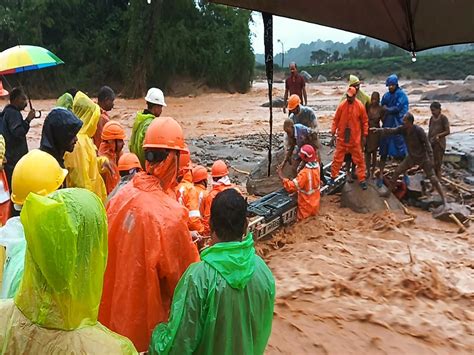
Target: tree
{"points": [[319, 57]]}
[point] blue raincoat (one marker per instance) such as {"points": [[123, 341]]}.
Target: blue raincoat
{"points": [[397, 107]]}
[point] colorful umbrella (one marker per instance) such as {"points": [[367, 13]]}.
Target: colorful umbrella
{"points": [[24, 58]]}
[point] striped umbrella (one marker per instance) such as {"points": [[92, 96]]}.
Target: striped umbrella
{"points": [[24, 58]]}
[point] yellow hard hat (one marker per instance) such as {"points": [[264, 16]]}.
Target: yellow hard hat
{"points": [[353, 80], [37, 172]]}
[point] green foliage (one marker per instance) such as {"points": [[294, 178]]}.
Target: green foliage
{"points": [[454, 66], [132, 45]]}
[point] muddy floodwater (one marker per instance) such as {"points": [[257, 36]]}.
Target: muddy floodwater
{"points": [[347, 283]]}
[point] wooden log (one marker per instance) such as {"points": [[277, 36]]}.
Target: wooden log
{"points": [[460, 187], [462, 228]]}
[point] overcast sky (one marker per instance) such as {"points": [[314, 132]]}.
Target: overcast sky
{"points": [[292, 33]]}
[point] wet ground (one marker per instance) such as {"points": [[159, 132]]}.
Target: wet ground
{"points": [[347, 283]]}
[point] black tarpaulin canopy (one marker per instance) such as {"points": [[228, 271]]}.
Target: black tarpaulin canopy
{"points": [[413, 25]]}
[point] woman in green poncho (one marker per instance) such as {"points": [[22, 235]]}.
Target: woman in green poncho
{"points": [[223, 304], [55, 310]]}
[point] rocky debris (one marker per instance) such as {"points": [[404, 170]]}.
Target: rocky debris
{"points": [[260, 184], [460, 150], [443, 212], [279, 102], [241, 153], [367, 201], [457, 92], [416, 92], [469, 79], [469, 180], [445, 83], [321, 79], [415, 84], [307, 76]]}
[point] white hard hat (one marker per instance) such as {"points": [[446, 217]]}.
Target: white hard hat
{"points": [[155, 96]]}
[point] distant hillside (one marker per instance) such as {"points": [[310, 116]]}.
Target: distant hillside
{"points": [[302, 54]]}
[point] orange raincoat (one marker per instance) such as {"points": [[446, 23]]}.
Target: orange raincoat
{"points": [[306, 184], [107, 149], [5, 205], [218, 187], [202, 195], [150, 247], [353, 117], [188, 196]]}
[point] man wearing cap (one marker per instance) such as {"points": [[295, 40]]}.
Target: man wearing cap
{"points": [[295, 85], [301, 114], [351, 125], [155, 101]]}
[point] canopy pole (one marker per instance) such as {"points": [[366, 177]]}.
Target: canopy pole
{"points": [[268, 41]]}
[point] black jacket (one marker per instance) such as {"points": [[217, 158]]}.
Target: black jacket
{"points": [[59, 128], [14, 130]]}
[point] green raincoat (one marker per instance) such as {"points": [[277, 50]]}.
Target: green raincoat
{"points": [[55, 309], [142, 121], [222, 305]]}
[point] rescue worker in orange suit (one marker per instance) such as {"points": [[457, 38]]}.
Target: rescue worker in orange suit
{"points": [[111, 147], [149, 242], [220, 182], [306, 184], [187, 195], [200, 177], [128, 166], [351, 127]]}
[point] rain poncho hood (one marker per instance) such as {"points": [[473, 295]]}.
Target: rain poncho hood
{"points": [[66, 256], [55, 309], [65, 101], [353, 80], [392, 80], [396, 104], [236, 270], [59, 129], [222, 305], [142, 121], [83, 164], [88, 112]]}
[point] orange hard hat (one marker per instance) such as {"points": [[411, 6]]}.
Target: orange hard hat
{"points": [[293, 102], [351, 91], [199, 173], [3, 92], [128, 161], [112, 130], [219, 169], [184, 160], [307, 153], [164, 133]]}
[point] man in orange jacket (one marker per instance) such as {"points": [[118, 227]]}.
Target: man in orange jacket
{"points": [[149, 242], [187, 195], [220, 182], [351, 125], [200, 177], [111, 147], [306, 184]]}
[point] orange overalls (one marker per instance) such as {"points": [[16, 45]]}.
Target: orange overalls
{"points": [[188, 196], [107, 149], [350, 123], [306, 184]]}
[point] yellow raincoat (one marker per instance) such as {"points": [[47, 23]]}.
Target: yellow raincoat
{"points": [[55, 310], [83, 164]]}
